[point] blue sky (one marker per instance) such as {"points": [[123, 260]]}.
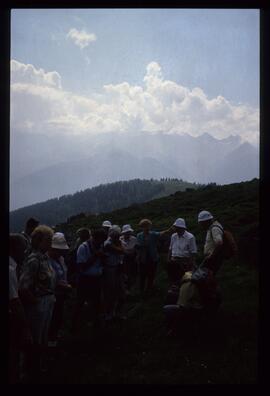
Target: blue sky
{"points": [[78, 76], [216, 50]]}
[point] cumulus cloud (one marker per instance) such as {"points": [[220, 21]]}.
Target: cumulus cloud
{"points": [[81, 38], [39, 103], [28, 74]]}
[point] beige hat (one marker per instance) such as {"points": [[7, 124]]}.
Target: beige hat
{"points": [[59, 241]]}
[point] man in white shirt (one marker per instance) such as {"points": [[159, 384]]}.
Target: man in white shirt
{"points": [[182, 252], [213, 242]]}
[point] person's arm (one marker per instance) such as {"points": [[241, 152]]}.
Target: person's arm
{"points": [[170, 250], [27, 280], [168, 231], [91, 261], [116, 248], [169, 255], [193, 251], [83, 259], [217, 236]]}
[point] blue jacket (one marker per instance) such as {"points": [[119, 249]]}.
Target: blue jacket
{"points": [[148, 250]]}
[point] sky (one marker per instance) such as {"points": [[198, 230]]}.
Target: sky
{"points": [[93, 71]]}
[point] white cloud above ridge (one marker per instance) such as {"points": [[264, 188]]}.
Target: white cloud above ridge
{"points": [[28, 74], [39, 103], [80, 37]]}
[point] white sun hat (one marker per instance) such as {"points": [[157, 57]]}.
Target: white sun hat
{"points": [[59, 241], [126, 228], [180, 223], [106, 223], [204, 215]]}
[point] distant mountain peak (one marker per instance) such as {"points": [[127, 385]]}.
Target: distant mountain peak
{"points": [[232, 139], [206, 136]]}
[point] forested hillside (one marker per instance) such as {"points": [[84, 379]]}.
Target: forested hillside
{"points": [[235, 205], [103, 198]]}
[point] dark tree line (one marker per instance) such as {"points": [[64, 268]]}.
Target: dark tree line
{"points": [[103, 198]]}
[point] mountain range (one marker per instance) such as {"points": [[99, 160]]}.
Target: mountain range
{"points": [[77, 164]]}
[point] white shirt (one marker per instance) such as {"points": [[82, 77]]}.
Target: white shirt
{"points": [[184, 245], [214, 235], [13, 281]]}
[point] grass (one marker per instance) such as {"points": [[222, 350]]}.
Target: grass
{"points": [[138, 351], [223, 351]]}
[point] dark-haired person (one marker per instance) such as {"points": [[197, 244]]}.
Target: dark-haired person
{"points": [[83, 235], [106, 225], [90, 262], [19, 334], [148, 253], [30, 225], [37, 286], [56, 255]]}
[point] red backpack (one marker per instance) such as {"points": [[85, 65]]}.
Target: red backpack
{"points": [[230, 248]]}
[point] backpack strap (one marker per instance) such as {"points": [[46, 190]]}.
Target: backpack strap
{"points": [[216, 225]]}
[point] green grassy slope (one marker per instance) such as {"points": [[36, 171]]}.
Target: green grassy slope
{"points": [[138, 350], [235, 205]]}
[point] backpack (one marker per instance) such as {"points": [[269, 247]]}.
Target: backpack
{"points": [[230, 248]]}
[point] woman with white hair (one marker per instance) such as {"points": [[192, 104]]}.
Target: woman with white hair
{"points": [[113, 269], [37, 287]]}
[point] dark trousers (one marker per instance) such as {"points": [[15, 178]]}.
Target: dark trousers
{"points": [[88, 289], [214, 263], [147, 274], [130, 265], [176, 269], [57, 317]]}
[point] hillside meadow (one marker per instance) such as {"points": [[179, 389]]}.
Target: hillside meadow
{"points": [[138, 350]]}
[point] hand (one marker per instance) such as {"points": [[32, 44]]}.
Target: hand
{"points": [[66, 286]]}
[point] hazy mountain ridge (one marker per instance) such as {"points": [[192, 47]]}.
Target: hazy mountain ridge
{"points": [[105, 197], [112, 157]]}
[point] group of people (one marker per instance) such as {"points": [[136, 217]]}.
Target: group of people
{"points": [[108, 262]]}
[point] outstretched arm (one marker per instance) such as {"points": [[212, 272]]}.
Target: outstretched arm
{"points": [[168, 231]]}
